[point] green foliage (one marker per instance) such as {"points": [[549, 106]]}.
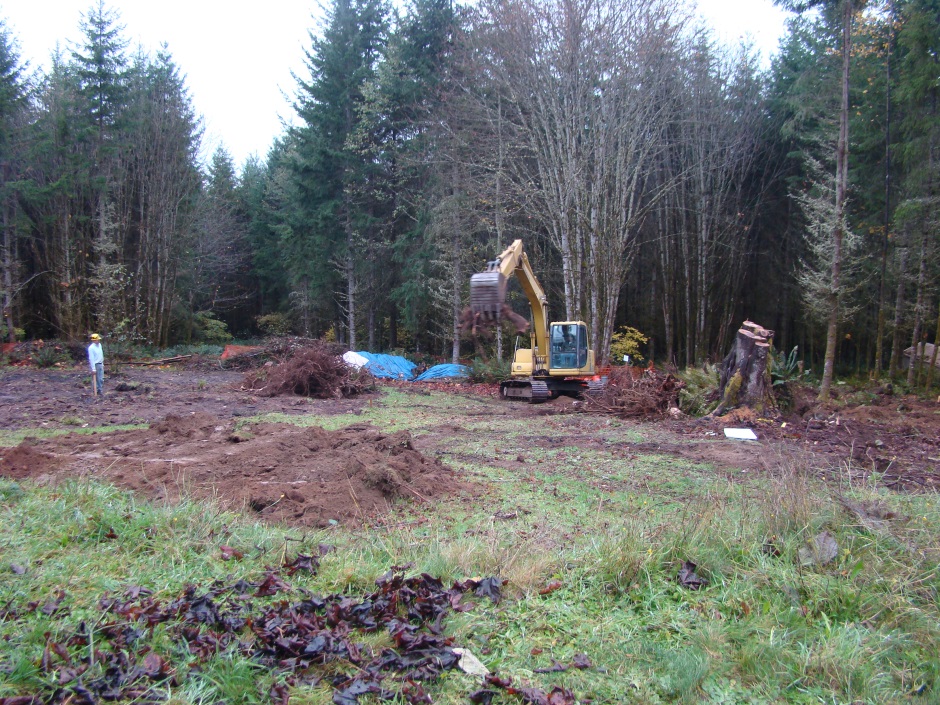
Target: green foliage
{"points": [[627, 341], [204, 349], [787, 368], [208, 329], [49, 355], [489, 371], [124, 340], [700, 394], [277, 324], [19, 334]]}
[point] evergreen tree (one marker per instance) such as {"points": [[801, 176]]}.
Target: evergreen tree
{"points": [[845, 11], [100, 69], [918, 95], [341, 63], [218, 264], [13, 114], [265, 205], [159, 193], [396, 138]]}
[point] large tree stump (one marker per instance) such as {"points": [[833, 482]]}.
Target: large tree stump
{"points": [[744, 376]]}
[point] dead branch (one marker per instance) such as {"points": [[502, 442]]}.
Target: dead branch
{"points": [[637, 393], [311, 371]]}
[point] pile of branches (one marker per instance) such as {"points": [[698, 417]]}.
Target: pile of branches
{"points": [[277, 350], [637, 393], [315, 370]]}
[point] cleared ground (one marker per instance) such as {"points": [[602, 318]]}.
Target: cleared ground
{"points": [[815, 549]]}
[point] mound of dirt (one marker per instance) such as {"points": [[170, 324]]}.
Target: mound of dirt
{"points": [[25, 461], [284, 473]]}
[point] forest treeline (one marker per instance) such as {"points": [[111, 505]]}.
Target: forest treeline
{"points": [[658, 179]]}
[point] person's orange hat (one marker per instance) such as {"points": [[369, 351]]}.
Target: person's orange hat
{"points": [[95, 336]]}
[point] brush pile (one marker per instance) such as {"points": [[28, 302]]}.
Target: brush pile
{"points": [[315, 369], [637, 393], [276, 350]]}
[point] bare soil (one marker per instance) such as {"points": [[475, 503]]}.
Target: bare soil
{"points": [[285, 473], [314, 477], [896, 438]]}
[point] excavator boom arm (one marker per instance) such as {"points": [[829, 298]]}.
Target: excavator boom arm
{"points": [[488, 292]]}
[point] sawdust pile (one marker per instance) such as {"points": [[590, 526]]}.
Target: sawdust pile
{"points": [[282, 473]]}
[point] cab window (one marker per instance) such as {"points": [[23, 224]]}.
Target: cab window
{"points": [[569, 346]]}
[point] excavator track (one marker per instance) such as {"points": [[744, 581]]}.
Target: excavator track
{"points": [[533, 391], [596, 386]]}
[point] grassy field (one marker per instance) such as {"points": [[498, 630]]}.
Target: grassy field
{"points": [[589, 539]]}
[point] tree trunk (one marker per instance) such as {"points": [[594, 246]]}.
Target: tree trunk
{"points": [[842, 170], [9, 262], [919, 307], [895, 362], [456, 298], [350, 284], [744, 376], [879, 342]]}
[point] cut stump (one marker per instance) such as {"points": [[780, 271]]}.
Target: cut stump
{"points": [[744, 376]]}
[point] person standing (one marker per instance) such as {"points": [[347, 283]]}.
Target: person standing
{"points": [[96, 361]]}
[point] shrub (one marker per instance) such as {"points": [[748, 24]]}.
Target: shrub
{"points": [[205, 349], [787, 368], [123, 340], [276, 324], [48, 356], [208, 329], [700, 394], [19, 334], [627, 341], [483, 371]]}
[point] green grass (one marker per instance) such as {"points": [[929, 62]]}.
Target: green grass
{"points": [[612, 531], [12, 437]]}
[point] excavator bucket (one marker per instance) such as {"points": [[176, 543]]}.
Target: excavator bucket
{"points": [[488, 294]]}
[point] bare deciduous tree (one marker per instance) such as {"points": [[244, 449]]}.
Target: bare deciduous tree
{"points": [[579, 83]]}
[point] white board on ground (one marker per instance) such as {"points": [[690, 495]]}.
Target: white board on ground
{"points": [[740, 434]]}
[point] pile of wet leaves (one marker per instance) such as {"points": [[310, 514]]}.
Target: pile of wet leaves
{"points": [[311, 641]]}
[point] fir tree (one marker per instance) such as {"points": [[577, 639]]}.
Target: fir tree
{"points": [[341, 63], [13, 113]]}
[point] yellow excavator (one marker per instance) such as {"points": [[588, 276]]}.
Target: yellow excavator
{"points": [[559, 360]]}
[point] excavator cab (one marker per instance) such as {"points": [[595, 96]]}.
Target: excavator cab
{"points": [[569, 346]]}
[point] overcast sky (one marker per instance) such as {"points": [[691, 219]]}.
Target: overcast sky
{"points": [[238, 61]]}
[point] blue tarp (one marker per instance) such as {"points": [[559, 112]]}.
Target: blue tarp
{"points": [[447, 371], [397, 367], [388, 366]]}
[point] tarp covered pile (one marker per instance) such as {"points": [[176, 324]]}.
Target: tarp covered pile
{"points": [[397, 367]]}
